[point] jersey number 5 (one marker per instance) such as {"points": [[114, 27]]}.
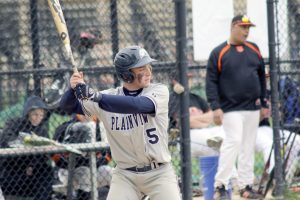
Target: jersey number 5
{"points": [[153, 137]]}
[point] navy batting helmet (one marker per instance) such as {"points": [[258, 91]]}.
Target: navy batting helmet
{"points": [[129, 58]]}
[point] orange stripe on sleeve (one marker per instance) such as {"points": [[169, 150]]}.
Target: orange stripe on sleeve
{"points": [[222, 52], [256, 50]]}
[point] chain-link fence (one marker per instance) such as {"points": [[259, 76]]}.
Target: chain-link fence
{"points": [[32, 62], [287, 58]]}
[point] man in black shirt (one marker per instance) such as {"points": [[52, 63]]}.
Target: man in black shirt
{"points": [[236, 89]]}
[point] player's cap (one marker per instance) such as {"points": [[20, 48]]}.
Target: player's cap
{"points": [[241, 20]]}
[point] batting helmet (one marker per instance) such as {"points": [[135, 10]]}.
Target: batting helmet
{"points": [[129, 58]]}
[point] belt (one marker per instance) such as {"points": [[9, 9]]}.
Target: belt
{"points": [[146, 168]]}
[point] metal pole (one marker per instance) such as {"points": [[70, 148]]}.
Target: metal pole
{"points": [[181, 58], [35, 44], [135, 19], [71, 168], [93, 167], [114, 32], [279, 183]]}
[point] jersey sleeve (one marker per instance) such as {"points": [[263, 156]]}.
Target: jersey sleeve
{"points": [[159, 95], [90, 108], [212, 78]]}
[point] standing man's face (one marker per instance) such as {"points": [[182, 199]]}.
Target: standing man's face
{"points": [[36, 116], [239, 33]]}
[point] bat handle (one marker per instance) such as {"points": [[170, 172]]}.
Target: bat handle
{"points": [[75, 70], [70, 56]]}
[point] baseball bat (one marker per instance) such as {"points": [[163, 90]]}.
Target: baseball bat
{"points": [[62, 29], [35, 140]]}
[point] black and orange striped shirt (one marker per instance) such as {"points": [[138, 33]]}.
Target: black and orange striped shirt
{"points": [[235, 78]]}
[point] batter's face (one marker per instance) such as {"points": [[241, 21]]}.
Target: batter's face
{"points": [[239, 34], [143, 76], [36, 116]]}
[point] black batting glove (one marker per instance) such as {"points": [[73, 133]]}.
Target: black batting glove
{"points": [[84, 92]]}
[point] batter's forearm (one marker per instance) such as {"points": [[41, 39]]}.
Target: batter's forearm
{"points": [[127, 104], [69, 102]]}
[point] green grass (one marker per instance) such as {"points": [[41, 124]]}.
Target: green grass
{"points": [[259, 164], [291, 195]]}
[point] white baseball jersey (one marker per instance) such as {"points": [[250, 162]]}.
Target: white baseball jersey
{"points": [[137, 139]]}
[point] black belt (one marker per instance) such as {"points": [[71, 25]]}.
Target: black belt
{"points": [[145, 168]]}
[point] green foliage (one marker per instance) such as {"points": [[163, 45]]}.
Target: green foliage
{"points": [[176, 161], [291, 195], [259, 164], [198, 90], [11, 112], [54, 121]]}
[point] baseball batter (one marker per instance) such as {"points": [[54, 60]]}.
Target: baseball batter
{"points": [[136, 120]]}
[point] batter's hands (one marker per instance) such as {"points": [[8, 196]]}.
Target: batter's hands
{"points": [[76, 78], [83, 91], [218, 116]]}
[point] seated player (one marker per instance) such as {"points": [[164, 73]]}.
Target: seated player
{"points": [[79, 130]]}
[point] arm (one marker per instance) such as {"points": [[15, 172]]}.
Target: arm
{"points": [[69, 102], [201, 120], [126, 104], [262, 78], [110, 103], [212, 81], [113, 103], [212, 88]]}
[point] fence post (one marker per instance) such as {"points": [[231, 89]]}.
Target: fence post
{"points": [[35, 44], [181, 58], [71, 168], [279, 184], [114, 33], [93, 168]]}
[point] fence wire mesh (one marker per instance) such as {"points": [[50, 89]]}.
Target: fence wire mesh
{"points": [[287, 39], [33, 62]]}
